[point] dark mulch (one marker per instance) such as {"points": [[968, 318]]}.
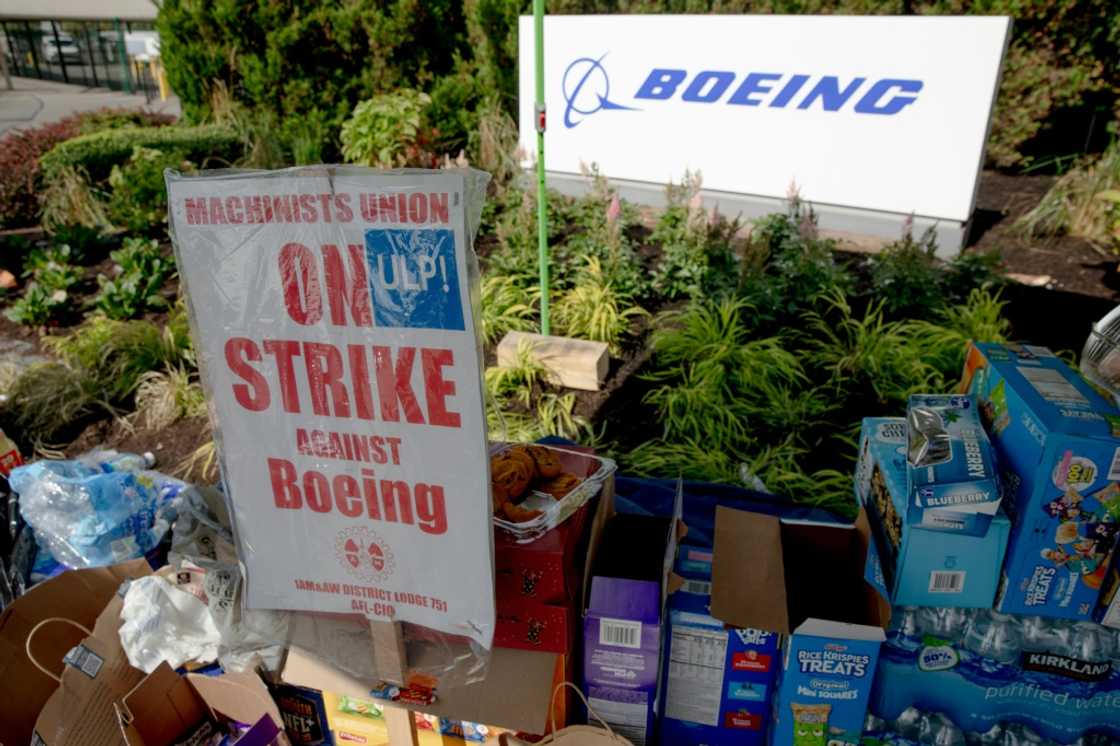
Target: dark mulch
{"points": [[1074, 265]]}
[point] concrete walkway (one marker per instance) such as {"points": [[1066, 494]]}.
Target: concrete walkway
{"points": [[37, 101]]}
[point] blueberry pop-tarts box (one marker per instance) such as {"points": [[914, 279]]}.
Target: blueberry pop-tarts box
{"points": [[921, 567], [805, 581], [950, 465], [717, 680], [1058, 440]]}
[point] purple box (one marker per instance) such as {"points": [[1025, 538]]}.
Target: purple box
{"points": [[623, 624]]}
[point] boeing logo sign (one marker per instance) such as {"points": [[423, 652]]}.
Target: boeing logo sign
{"points": [[887, 115], [587, 90]]}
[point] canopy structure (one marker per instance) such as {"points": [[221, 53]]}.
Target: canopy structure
{"points": [[84, 10]]}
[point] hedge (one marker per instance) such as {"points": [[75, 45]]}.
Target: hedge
{"points": [[96, 154]]}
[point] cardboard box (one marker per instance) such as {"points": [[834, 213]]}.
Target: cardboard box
{"points": [[547, 570], [166, 708], [531, 625], [623, 624], [921, 567], [1059, 441], [805, 581], [717, 681], [25, 691], [950, 466]]}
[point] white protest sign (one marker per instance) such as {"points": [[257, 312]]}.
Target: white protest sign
{"points": [[882, 113], [337, 343]]}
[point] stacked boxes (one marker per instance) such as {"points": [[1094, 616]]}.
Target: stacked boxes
{"points": [[922, 565], [1059, 441]]}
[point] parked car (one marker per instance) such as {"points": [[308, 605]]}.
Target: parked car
{"points": [[63, 48]]}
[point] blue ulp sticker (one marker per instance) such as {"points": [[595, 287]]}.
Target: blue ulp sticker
{"points": [[413, 278]]}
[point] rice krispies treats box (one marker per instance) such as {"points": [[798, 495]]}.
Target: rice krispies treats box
{"points": [[1058, 441]]}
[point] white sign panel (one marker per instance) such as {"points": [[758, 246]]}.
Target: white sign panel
{"points": [[873, 112], [337, 344]]}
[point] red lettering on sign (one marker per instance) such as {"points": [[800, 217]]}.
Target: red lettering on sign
{"points": [[436, 389], [253, 394], [300, 278], [284, 351], [282, 474], [324, 373], [395, 386], [347, 290]]}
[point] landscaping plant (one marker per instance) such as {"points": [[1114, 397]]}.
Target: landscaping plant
{"points": [[1084, 202], [140, 272], [138, 197], [389, 131]]}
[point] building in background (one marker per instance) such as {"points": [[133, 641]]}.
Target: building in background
{"points": [[103, 43]]}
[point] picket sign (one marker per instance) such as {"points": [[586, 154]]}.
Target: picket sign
{"points": [[338, 349]]}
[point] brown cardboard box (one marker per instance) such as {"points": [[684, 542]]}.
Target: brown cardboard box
{"points": [[165, 707], [80, 596], [519, 683]]}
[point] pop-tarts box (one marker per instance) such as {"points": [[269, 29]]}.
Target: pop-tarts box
{"points": [[1058, 440], [921, 567], [717, 680], [805, 581], [951, 470]]}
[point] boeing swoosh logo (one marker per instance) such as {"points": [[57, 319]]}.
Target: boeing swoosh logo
{"points": [[587, 89]]}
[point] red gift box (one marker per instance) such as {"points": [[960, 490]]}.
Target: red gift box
{"points": [[545, 570], [531, 625]]}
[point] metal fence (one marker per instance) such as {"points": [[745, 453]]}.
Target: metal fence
{"points": [[90, 53]]}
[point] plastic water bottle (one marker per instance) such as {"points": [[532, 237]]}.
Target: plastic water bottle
{"points": [[909, 723], [946, 623], [994, 636], [938, 730], [1092, 642]]}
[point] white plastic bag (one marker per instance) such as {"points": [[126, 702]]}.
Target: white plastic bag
{"points": [[162, 623]]}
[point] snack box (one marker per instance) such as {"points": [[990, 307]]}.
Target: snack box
{"points": [[921, 567], [718, 681], [1059, 441], [951, 475], [807, 582], [622, 626]]}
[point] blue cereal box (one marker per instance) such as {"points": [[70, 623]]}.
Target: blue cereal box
{"points": [[921, 567], [718, 680], [1059, 441], [805, 581], [951, 475]]}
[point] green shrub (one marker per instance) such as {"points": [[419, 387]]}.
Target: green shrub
{"points": [[1074, 205], [696, 253], [47, 296], [37, 306], [108, 119], [304, 55], [906, 275], [138, 200], [141, 271], [507, 305], [96, 154], [594, 309], [389, 130]]}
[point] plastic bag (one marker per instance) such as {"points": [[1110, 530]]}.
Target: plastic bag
{"points": [[99, 509], [162, 623]]}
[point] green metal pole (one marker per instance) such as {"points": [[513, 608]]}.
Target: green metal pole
{"points": [[542, 193], [122, 55]]}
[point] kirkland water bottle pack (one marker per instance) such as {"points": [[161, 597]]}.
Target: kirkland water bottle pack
{"points": [[1058, 441], [980, 668], [916, 728]]}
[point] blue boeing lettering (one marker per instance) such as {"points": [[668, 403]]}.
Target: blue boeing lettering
{"points": [[661, 84], [869, 104], [586, 90]]}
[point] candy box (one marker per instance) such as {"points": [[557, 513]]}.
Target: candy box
{"points": [[951, 478], [1059, 442], [921, 567], [805, 581], [717, 681]]}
